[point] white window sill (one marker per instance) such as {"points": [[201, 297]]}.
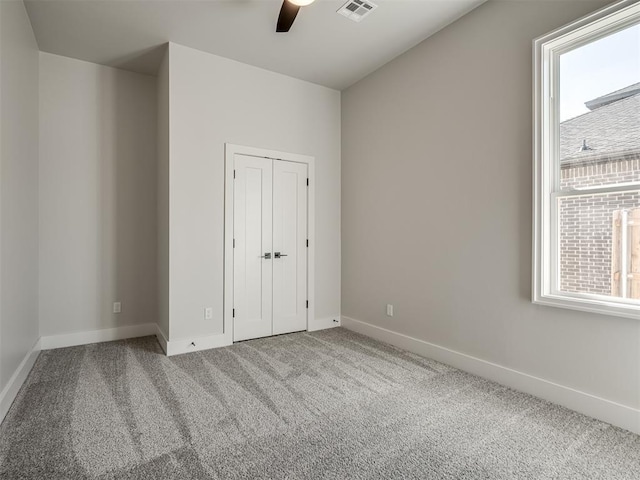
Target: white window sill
{"points": [[590, 304]]}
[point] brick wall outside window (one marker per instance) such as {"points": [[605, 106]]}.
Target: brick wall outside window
{"points": [[586, 223]]}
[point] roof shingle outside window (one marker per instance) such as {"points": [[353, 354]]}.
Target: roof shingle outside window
{"points": [[609, 132]]}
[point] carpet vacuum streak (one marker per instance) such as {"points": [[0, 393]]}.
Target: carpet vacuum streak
{"points": [[331, 404]]}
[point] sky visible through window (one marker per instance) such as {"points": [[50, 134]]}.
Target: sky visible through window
{"points": [[598, 68]]}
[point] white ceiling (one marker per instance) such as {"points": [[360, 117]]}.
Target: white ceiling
{"points": [[322, 47]]}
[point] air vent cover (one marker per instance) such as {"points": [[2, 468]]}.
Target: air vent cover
{"points": [[356, 10]]}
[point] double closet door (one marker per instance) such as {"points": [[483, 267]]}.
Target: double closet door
{"points": [[270, 247]]}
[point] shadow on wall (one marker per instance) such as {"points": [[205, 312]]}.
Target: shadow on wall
{"points": [[126, 176], [146, 61]]}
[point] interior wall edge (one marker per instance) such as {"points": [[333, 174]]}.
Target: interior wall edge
{"points": [[19, 213], [11, 390]]}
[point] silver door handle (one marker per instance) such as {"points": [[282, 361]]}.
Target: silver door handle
{"points": [[267, 256], [278, 255]]}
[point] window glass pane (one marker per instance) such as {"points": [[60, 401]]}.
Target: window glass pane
{"points": [[600, 244], [600, 112]]}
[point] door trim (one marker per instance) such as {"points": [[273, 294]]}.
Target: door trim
{"points": [[230, 150]]}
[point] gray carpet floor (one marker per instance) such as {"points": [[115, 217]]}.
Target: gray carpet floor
{"points": [[329, 404]]}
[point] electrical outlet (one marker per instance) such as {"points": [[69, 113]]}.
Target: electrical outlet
{"points": [[389, 310], [208, 313], [117, 307]]}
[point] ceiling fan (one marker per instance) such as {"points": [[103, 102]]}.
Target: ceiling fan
{"points": [[288, 13]]}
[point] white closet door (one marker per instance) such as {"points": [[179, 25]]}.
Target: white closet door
{"points": [[289, 247], [252, 230]]}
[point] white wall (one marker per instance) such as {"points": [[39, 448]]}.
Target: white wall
{"points": [[18, 188], [98, 213], [436, 205], [216, 101], [163, 194]]}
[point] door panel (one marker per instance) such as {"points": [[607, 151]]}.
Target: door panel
{"points": [[289, 239], [252, 230]]}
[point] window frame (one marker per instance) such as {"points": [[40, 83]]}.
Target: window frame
{"points": [[546, 187]]}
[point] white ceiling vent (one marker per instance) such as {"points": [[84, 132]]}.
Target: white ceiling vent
{"points": [[356, 10]]}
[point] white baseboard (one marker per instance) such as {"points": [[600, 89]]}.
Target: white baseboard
{"points": [[187, 345], [96, 336], [323, 323], [196, 344], [162, 339], [606, 410], [10, 391]]}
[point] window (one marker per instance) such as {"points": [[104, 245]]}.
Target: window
{"points": [[586, 252]]}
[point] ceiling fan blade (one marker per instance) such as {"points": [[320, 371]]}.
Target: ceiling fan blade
{"points": [[287, 15]]}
